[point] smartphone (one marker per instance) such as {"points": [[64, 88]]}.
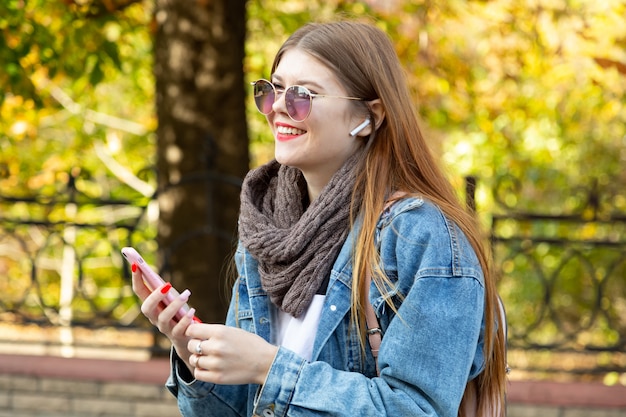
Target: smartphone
{"points": [[153, 280]]}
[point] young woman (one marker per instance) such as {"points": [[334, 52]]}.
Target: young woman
{"points": [[354, 214]]}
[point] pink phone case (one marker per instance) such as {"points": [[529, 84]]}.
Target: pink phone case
{"points": [[153, 280]]}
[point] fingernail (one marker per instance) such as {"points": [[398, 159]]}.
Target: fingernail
{"points": [[166, 288], [133, 267], [191, 312], [185, 295]]}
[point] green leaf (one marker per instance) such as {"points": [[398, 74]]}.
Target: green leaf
{"points": [[111, 50], [96, 75]]}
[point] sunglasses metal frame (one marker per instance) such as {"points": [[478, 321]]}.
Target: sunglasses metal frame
{"points": [[308, 92]]}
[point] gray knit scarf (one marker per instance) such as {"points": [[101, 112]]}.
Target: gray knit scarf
{"points": [[295, 246]]}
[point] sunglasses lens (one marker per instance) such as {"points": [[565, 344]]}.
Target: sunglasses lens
{"points": [[264, 96], [298, 103]]}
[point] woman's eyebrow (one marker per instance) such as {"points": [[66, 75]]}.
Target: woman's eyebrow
{"points": [[310, 83], [303, 82]]}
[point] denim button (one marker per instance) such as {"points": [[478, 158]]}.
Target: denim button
{"points": [[268, 413], [333, 308]]}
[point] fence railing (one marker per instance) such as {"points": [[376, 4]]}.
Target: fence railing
{"points": [[563, 273], [62, 267]]}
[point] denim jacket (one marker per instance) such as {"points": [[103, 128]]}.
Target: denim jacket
{"points": [[430, 349]]}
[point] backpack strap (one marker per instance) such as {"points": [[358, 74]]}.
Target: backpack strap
{"points": [[374, 332]]}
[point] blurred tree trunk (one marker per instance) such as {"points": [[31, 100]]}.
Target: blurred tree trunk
{"points": [[202, 144]]}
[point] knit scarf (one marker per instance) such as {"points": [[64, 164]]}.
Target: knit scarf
{"points": [[295, 246]]}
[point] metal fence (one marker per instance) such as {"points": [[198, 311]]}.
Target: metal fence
{"points": [[563, 274], [64, 283]]}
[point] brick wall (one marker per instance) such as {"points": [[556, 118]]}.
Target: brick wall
{"points": [[565, 399], [56, 387], [45, 386]]}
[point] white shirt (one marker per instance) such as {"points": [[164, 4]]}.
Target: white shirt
{"points": [[298, 334]]}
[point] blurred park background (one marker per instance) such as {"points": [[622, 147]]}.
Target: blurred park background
{"points": [[130, 123]]}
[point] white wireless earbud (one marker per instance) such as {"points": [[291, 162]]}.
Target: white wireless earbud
{"points": [[360, 127]]}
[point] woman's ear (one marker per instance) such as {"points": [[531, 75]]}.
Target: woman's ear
{"points": [[376, 107], [376, 115]]}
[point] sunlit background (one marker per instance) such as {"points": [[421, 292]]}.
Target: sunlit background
{"points": [[528, 97]]}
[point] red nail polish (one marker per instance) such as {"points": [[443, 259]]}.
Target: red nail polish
{"points": [[166, 288], [133, 267]]}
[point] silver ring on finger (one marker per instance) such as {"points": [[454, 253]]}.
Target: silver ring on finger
{"points": [[199, 348]]}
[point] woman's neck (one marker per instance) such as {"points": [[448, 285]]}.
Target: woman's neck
{"points": [[315, 184]]}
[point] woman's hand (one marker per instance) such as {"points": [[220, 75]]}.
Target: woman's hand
{"points": [[229, 355], [162, 316]]}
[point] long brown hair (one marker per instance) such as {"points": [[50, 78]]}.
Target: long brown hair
{"points": [[398, 158]]}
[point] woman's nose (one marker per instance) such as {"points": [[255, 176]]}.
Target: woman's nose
{"points": [[279, 105]]}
